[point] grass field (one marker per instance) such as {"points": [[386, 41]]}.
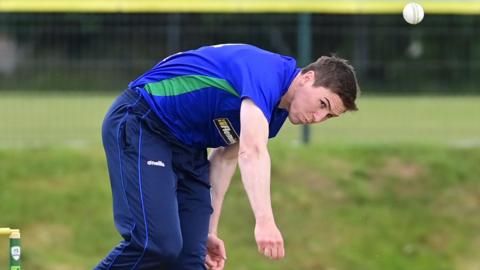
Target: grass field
{"points": [[49, 119], [393, 186]]}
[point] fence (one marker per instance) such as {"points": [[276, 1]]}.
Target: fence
{"points": [[103, 51]]}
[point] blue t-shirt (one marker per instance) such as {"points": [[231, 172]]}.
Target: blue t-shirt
{"points": [[198, 93]]}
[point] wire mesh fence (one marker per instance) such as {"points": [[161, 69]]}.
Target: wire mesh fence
{"points": [[85, 52]]}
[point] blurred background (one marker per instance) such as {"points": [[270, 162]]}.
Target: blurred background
{"points": [[392, 186]]}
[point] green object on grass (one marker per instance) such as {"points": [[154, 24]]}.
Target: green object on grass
{"points": [[15, 250]]}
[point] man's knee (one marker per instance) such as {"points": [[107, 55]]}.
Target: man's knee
{"points": [[190, 262], [153, 254], [164, 250]]}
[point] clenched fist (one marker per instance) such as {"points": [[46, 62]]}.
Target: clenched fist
{"points": [[269, 240], [216, 254]]}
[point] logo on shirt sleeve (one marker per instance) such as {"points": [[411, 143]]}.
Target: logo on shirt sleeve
{"points": [[226, 130]]}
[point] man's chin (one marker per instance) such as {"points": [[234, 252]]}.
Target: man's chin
{"points": [[295, 121]]}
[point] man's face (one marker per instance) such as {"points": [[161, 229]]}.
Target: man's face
{"points": [[311, 104]]}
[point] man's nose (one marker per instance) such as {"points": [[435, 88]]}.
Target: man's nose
{"points": [[320, 116]]}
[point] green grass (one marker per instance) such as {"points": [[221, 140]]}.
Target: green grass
{"points": [[393, 186], [392, 120], [33, 119], [364, 207]]}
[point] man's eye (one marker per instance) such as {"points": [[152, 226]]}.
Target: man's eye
{"points": [[322, 104]]}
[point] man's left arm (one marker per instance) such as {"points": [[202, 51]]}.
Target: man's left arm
{"points": [[223, 162]]}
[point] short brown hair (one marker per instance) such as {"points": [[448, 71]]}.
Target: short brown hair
{"points": [[338, 75]]}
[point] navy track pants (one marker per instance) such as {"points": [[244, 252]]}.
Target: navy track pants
{"points": [[160, 190]]}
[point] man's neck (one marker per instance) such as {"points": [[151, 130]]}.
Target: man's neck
{"points": [[288, 96]]}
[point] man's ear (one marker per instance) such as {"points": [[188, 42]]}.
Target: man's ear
{"points": [[308, 77]]}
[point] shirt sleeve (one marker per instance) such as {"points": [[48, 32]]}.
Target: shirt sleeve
{"points": [[264, 80]]}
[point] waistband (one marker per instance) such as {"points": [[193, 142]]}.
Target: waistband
{"points": [[139, 105]]}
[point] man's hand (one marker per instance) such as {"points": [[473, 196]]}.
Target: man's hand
{"points": [[216, 254], [269, 240]]}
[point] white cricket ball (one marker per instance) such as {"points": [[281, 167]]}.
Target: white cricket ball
{"points": [[413, 13]]}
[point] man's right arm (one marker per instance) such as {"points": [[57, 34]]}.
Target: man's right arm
{"points": [[254, 163]]}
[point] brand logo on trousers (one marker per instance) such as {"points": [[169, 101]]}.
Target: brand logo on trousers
{"points": [[156, 163]]}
